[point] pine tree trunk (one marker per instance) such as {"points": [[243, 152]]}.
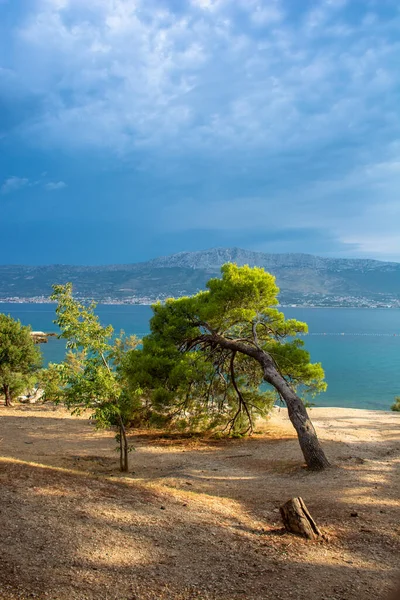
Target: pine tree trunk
{"points": [[312, 451], [309, 443]]}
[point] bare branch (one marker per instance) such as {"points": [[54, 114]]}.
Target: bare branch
{"points": [[242, 402]]}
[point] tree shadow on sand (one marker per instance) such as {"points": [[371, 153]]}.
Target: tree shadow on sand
{"points": [[197, 520]]}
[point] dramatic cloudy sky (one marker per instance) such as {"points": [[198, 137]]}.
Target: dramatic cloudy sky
{"points": [[135, 128]]}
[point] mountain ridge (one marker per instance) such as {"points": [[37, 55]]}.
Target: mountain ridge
{"points": [[302, 278], [233, 254], [229, 253]]}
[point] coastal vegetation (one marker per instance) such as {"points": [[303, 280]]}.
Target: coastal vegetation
{"points": [[20, 358], [89, 377], [213, 361], [210, 353]]}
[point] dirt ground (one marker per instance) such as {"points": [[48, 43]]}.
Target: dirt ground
{"points": [[196, 518]]}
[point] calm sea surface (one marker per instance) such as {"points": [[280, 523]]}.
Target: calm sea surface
{"points": [[358, 348]]}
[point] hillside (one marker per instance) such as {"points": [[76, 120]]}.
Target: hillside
{"points": [[302, 278]]}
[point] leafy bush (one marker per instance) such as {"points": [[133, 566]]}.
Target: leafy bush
{"points": [[396, 405]]}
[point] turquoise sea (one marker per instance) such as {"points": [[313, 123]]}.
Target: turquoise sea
{"points": [[358, 348]]}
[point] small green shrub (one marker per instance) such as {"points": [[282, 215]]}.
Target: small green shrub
{"points": [[396, 405]]}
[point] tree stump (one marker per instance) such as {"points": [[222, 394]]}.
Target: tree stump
{"points": [[297, 519]]}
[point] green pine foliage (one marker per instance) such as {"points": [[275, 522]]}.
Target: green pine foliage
{"points": [[190, 392], [188, 385]]}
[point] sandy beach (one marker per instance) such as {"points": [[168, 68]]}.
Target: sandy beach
{"points": [[354, 426], [197, 517]]}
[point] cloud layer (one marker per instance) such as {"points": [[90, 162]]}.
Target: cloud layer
{"points": [[129, 74], [248, 113], [14, 184]]}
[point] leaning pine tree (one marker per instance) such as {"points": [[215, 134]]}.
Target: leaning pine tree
{"points": [[233, 324]]}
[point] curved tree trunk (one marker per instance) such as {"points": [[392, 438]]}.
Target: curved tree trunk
{"points": [[309, 443]]}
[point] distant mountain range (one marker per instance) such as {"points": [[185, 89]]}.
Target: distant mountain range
{"points": [[302, 278]]}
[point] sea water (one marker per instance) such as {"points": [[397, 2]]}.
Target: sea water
{"points": [[358, 348]]}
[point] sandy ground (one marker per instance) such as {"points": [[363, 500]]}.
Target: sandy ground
{"points": [[198, 518]]}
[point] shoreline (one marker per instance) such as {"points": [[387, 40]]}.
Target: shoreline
{"points": [[150, 303], [347, 359], [311, 409], [355, 426]]}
